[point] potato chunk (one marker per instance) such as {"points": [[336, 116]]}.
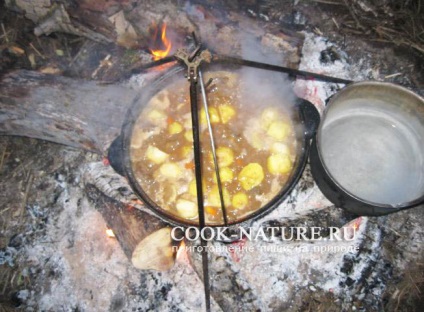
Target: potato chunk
{"points": [[187, 124], [213, 116], [239, 200], [139, 136], [278, 130], [268, 116], [257, 141], [251, 176], [185, 150], [280, 148], [161, 100], [170, 170], [156, 155], [226, 112], [225, 156], [186, 209], [175, 128], [214, 199], [226, 175], [192, 188], [279, 164], [169, 193], [189, 135], [157, 117]]}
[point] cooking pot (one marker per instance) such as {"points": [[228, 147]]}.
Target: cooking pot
{"points": [[304, 116], [366, 156], [368, 153]]}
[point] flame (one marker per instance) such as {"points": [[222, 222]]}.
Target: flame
{"points": [[181, 256], [110, 233], [165, 43]]}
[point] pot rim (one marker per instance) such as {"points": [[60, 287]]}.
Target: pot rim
{"points": [[333, 99]]}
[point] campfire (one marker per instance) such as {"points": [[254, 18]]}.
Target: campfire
{"points": [[161, 45], [142, 226]]}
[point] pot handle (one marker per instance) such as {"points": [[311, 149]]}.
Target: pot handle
{"points": [[115, 155], [310, 115]]}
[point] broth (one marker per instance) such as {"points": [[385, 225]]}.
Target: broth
{"points": [[255, 146]]}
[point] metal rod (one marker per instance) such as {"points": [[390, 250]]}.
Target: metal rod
{"points": [[215, 160], [162, 61], [198, 175], [194, 53], [290, 71], [198, 172]]}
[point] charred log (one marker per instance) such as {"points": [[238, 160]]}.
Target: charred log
{"points": [[78, 113], [145, 240]]}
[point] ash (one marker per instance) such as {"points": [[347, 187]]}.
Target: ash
{"points": [[65, 261]]}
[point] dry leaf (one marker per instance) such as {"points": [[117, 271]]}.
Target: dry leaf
{"points": [[16, 50]]}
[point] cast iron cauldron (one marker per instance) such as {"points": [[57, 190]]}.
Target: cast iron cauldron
{"points": [[305, 117]]}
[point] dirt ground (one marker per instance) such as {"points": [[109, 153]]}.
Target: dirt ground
{"points": [[31, 171]]}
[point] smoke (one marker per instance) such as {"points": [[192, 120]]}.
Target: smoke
{"points": [[234, 34]]}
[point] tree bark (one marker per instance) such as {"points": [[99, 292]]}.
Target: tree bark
{"points": [[78, 113]]}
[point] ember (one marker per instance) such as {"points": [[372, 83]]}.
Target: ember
{"points": [[110, 233], [162, 45], [181, 255]]}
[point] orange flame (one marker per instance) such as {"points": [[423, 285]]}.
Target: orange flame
{"points": [[110, 233], [165, 43], [182, 256]]}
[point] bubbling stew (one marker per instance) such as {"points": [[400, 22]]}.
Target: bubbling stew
{"points": [[255, 146]]}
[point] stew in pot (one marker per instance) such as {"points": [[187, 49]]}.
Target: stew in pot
{"points": [[255, 147]]}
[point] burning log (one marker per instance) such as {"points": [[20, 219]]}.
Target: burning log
{"points": [[145, 240]]}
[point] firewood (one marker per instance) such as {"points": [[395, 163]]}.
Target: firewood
{"points": [[145, 239], [74, 112], [155, 252], [60, 21]]}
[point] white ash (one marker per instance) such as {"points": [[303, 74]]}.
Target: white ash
{"points": [[77, 266], [268, 275], [85, 264], [110, 183], [192, 296], [314, 91]]}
